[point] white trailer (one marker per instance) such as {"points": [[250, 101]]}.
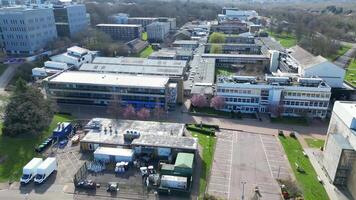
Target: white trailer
{"points": [[45, 169], [29, 170], [107, 154], [176, 182]]}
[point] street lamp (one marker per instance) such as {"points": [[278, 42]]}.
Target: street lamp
{"points": [[243, 190]]}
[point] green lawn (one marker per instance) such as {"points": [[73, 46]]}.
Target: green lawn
{"points": [[3, 67], [291, 120], [315, 143], [16, 152], [144, 36], [351, 73], [208, 146], [340, 52], [225, 72], [286, 40], [146, 52], [311, 188]]}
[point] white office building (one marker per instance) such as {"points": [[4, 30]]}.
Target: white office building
{"points": [[275, 95], [157, 31], [339, 156]]}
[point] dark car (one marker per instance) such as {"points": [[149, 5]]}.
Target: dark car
{"points": [[63, 143], [113, 187], [86, 184]]}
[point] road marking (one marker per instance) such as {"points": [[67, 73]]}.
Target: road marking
{"points": [[232, 152], [264, 150]]}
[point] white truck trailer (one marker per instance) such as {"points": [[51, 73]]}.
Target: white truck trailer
{"points": [[29, 170], [46, 169], [176, 182]]}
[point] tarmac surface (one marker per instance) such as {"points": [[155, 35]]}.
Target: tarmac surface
{"points": [[245, 160]]}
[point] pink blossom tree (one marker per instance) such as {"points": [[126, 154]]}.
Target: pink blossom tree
{"points": [[199, 101], [158, 112], [129, 112], [217, 102], [143, 114]]}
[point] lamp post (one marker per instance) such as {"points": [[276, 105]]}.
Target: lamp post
{"points": [[243, 190]]}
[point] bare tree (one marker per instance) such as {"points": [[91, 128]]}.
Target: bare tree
{"points": [[143, 114], [129, 112]]}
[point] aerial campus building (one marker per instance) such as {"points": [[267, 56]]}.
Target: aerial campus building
{"points": [[27, 30], [284, 96], [339, 157], [102, 88], [122, 32], [70, 19]]}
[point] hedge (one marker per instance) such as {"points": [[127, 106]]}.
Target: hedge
{"points": [[209, 132]]}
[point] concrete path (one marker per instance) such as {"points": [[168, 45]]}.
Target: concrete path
{"points": [[6, 77]]}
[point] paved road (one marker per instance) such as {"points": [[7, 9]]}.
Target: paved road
{"points": [[343, 61], [6, 77]]}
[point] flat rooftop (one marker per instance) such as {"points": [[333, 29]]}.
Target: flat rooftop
{"points": [[156, 134], [112, 79], [140, 61], [132, 69], [192, 42], [119, 25]]}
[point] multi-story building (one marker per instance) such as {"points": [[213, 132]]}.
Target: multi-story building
{"points": [[235, 48], [74, 57], [122, 32], [102, 88], [339, 155], [186, 44], [230, 27], [70, 19], [275, 95], [243, 38], [157, 31], [26, 30], [144, 21], [235, 13], [120, 18], [172, 22], [239, 59]]}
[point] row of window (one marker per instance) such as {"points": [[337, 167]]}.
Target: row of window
{"points": [[322, 104], [242, 100], [308, 94], [238, 91], [242, 109], [107, 89], [306, 111]]}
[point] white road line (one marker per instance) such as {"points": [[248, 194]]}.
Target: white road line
{"points": [[232, 151], [264, 150]]}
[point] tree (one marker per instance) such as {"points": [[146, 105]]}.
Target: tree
{"points": [[27, 112], [217, 102], [216, 48], [129, 112], [143, 114], [217, 38], [158, 111], [114, 107], [199, 101]]}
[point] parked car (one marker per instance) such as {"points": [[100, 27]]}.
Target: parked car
{"points": [[113, 187], [86, 184], [63, 143]]}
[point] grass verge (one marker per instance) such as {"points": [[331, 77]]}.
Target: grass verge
{"points": [[15, 152], [225, 72], [146, 52], [144, 36], [311, 188], [350, 76], [207, 144], [286, 40], [314, 143], [291, 120], [343, 49]]}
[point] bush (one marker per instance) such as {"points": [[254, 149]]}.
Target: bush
{"points": [[280, 133], [292, 134], [216, 127], [205, 131]]}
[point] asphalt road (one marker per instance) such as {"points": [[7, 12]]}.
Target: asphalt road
{"points": [[6, 77]]}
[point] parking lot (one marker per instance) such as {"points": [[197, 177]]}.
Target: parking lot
{"points": [[250, 158]]}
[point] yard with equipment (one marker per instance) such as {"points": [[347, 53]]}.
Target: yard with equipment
{"points": [[304, 172], [15, 152]]}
